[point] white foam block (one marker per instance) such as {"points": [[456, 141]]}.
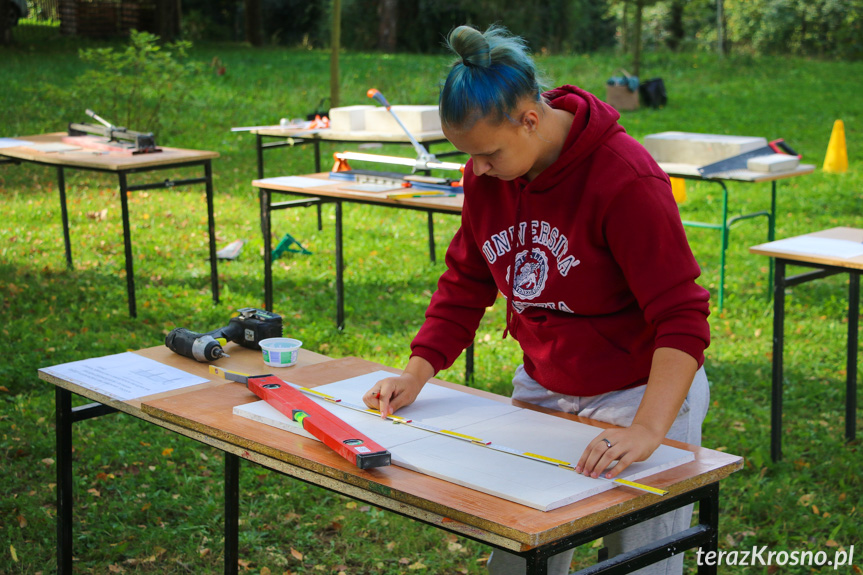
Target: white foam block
{"points": [[698, 149], [773, 163], [349, 118], [417, 119]]}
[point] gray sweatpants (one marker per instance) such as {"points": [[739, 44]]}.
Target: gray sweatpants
{"points": [[618, 408]]}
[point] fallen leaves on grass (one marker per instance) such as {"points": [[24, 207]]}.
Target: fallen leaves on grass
{"points": [[99, 216], [806, 500]]}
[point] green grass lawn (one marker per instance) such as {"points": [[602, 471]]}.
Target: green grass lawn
{"points": [[148, 501]]}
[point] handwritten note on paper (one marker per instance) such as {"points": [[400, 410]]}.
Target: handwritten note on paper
{"points": [[124, 376], [844, 249]]}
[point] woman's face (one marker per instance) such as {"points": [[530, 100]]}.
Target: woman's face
{"points": [[502, 150]]}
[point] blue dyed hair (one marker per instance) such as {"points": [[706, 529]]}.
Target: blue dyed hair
{"points": [[493, 74]]}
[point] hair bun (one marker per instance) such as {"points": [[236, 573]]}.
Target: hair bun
{"points": [[471, 46]]}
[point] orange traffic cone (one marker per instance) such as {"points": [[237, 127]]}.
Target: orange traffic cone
{"points": [[836, 160]]}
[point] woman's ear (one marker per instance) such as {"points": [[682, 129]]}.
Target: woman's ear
{"points": [[530, 120]]}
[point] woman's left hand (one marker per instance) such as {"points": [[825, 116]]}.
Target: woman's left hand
{"points": [[626, 445]]}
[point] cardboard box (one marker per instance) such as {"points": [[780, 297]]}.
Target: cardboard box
{"points": [[349, 118], [417, 119], [621, 98], [698, 149]]}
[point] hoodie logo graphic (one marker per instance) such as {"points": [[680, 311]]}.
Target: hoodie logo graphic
{"points": [[531, 271]]}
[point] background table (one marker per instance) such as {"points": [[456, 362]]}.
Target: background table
{"points": [[123, 165], [204, 413], [333, 191], [827, 266], [690, 172], [290, 137]]}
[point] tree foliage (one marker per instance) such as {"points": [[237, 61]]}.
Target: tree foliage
{"points": [[822, 28], [137, 85], [801, 27]]}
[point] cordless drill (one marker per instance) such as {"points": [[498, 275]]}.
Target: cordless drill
{"points": [[247, 329]]}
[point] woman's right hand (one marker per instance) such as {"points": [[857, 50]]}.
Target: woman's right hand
{"points": [[393, 393]]}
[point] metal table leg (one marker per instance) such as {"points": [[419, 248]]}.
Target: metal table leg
{"points": [[704, 536], [65, 415], [259, 148], [431, 237], [211, 229], [340, 278], [127, 242], [851, 365], [232, 513], [64, 215], [63, 432], [264, 199], [468, 364], [771, 235], [778, 344], [725, 226]]}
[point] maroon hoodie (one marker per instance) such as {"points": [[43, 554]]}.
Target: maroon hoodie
{"points": [[603, 271]]}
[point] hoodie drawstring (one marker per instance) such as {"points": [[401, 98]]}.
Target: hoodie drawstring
{"points": [[510, 309]]}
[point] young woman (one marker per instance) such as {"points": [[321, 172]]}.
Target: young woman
{"points": [[572, 220]]}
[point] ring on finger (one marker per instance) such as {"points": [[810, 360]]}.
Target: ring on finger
{"points": [[607, 442]]}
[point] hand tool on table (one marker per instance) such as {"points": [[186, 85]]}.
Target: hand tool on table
{"points": [[110, 136], [348, 442], [248, 329], [424, 161], [739, 161]]}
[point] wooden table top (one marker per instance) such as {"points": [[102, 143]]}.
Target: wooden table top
{"points": [[855, 235], [94, 159], [205, 413], [691, 171], [337, 189]]}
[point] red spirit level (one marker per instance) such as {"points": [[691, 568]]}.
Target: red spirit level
{"points": [[332, 431]]}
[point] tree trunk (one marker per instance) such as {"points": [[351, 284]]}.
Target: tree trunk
{"points": [[388, 24], [720, 28], [168, 20], [335, 46], [675, 26], [636, 39], [254, 22], [624, 30], [5, 23]]}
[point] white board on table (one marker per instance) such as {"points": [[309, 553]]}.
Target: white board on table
{"points": [[525, 481]]}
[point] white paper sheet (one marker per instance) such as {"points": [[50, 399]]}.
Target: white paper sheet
{"points": [[298, 182], [844, 249], [12, 143], [52, 147], [124, 376], [538, 485]]}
